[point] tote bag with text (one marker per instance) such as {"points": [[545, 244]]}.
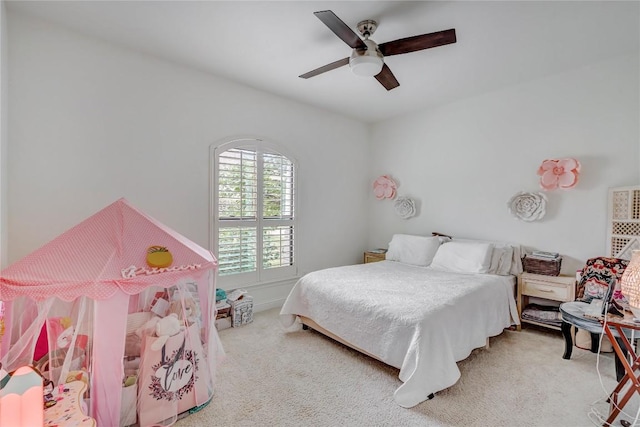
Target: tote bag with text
{"points": [[172, 379]]}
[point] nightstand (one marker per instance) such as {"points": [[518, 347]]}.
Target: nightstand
{"points": [[374, 256], [550, 288]]}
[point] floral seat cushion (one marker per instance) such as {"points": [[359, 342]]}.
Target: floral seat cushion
{"points": [[597, 274]]}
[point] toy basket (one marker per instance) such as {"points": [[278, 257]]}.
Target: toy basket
{"points": [[549, 267]]}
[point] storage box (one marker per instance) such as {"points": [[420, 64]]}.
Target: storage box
{"points": [[223, 323], [241, 311], [549, 267], [223, 310]]}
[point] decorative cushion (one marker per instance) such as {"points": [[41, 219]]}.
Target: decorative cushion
{"points": [[501, 260], [505, 259], [415, 250], [463, 257], [136, 320], [596, 276]]}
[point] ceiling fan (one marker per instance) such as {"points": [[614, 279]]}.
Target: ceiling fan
{"points": [[367, 57]]}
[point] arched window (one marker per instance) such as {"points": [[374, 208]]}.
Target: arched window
{"points": [[254, 221]]}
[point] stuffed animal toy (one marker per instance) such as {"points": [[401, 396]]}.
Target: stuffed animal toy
{"points": [[148, 328], [79, 375], [166, 327], [191, 313]]}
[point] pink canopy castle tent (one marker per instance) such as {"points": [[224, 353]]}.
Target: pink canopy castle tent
{"points": [[89, 304]]}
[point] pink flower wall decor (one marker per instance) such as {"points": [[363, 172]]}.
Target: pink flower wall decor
{"points": [[559, 173], [384, 187]]}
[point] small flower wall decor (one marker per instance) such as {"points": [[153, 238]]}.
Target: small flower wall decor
{"points": [[405, 207], [528, 206], [384, 187], [559, 173]]}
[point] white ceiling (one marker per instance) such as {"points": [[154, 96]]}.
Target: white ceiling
{"points": [[268, 44]]}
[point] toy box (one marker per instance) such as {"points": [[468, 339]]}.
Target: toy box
{"points": [[241, 311]]}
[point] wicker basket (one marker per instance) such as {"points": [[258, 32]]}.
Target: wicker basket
{"points": [[542, 266]]}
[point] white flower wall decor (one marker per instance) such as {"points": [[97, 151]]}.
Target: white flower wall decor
{"points": [[405, 207], [528, 206]]}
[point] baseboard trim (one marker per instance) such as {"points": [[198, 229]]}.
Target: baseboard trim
{"points": [[268, 305], [270, 294]]}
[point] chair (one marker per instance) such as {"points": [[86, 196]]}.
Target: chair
{"points": [[598, 275]]}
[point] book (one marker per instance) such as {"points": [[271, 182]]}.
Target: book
{"points": [[543, 258], [378, 251], [544, 255]]}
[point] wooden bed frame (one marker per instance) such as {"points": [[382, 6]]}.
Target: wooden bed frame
{"points": [[308, 323]]}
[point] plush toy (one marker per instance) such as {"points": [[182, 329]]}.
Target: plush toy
{"points": [[191, 312], [79, 375], [65, 337], [221, 295], [159, 257], [148, 328], [166, 327]]}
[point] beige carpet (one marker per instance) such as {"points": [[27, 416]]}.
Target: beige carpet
{"points": [[276, 378]]}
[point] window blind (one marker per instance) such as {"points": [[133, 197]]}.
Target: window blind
{"points": [[255, 218]]}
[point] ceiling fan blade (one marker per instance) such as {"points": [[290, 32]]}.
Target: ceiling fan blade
{"points": [[341, 29], [412, 44], [324, 69], [386, 78]]}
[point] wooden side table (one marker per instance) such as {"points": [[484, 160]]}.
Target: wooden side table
{"points": [[550, 288], [615, 329], [374, 256]]}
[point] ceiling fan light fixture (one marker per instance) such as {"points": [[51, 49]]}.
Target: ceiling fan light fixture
{"points": [[366, 66], [366, 63]]}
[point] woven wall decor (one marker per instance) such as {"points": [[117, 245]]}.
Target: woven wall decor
{"points": [[528, 206], [405, 207]]}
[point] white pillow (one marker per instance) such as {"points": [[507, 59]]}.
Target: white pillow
{"points": [[409, 249], [506, 262], [503, 266], [463, 257], [501, 260]]}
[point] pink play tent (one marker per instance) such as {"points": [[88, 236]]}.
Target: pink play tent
{"points": [[92, 306]]}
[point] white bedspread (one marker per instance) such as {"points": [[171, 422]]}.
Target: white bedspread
{"points": [[417, 319]]}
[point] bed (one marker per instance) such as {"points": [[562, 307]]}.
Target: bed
{"points": [[421, 317]]}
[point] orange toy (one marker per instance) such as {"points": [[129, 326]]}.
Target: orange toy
{"points": [[159, 257]]}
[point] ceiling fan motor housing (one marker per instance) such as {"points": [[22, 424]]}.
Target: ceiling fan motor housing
{"points": [[367, 62], [367, 27]]}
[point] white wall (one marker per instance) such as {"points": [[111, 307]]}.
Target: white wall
{"points": [[4, 137], [463, 161], [91, 122]]}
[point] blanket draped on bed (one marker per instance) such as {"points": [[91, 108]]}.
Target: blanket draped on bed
{"points": [[417, 319]]}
